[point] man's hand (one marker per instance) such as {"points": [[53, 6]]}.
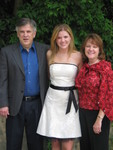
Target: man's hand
{"points": [[4, 111]]}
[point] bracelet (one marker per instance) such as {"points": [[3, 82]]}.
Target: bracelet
{"points": [[99, 117]]}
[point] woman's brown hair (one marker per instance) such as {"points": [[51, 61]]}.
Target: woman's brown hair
{"points": [[95, 39]]}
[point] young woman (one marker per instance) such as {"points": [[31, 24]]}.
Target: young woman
{"points": [[60, 115]]}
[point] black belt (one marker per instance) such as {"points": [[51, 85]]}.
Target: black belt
{"points": [[30, 98], [71, 96]]}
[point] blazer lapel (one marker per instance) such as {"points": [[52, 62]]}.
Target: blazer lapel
{"points": [[39, 55], [18, 58]]}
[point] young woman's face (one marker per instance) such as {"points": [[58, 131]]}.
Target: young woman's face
{"points": [[63, 40], [91, 50]]}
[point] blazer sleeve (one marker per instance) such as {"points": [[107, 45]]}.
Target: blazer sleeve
{"points": [[3, 79]]}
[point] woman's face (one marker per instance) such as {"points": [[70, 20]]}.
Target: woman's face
{"points": [[91, 50], [63, 40]]}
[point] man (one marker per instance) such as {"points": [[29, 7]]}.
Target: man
{"points": [[23, 85]]}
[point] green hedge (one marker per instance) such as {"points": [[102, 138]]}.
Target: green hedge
{"points": [[83, 16]]}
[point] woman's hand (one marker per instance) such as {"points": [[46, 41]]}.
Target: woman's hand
{"points": [[97, 125]]}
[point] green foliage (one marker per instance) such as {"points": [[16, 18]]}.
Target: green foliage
{"points": [[49, 145], [84, 16]]}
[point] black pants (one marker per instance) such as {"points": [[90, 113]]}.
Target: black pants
{"points": [[90, 140], [27, 118]]}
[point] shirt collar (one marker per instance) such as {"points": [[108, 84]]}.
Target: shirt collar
{"points": [[32, 47]]}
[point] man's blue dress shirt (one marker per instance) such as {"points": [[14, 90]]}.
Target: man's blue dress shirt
{"points": [[31, 69]]}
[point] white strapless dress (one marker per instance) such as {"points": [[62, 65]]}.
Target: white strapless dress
{"points": [[54, 122]]}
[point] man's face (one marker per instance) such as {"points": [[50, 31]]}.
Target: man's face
{"points": [[26, 34]]}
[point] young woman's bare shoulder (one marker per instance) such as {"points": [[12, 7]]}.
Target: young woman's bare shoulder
{"points": [[77, 54], [49, 52], [78, 58]]}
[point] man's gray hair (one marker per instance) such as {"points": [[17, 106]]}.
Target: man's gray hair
{"points": [[25, 21]]}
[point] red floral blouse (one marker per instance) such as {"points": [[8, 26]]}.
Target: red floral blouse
{"points": [[95, 87]]}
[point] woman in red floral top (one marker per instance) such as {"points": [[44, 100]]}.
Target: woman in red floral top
{"points": [[95, 87]]}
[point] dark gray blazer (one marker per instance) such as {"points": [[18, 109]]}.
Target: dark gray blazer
{"points": [[12, 77]]}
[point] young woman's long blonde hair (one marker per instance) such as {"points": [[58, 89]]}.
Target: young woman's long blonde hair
{"points": [[54, 46]]}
